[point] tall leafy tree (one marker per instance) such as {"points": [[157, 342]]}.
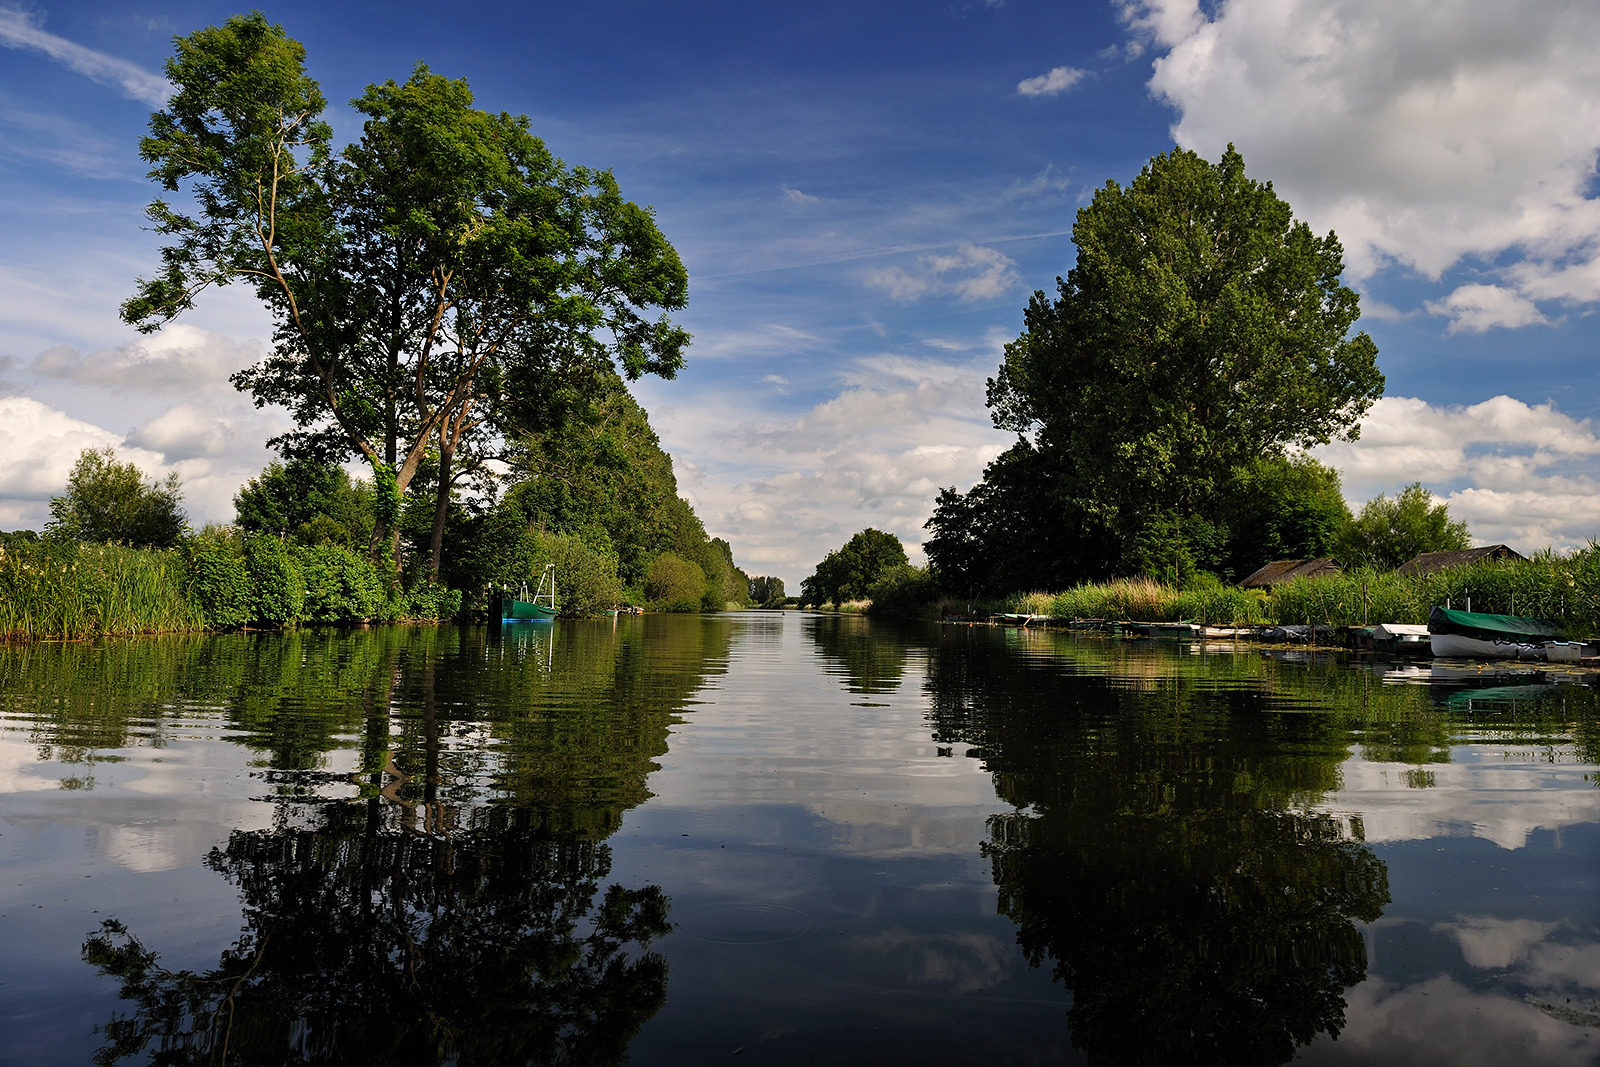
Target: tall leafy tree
{"points": [[1201, 327], [109, 501], [1391, 530], [409, 274], [848, 572]]}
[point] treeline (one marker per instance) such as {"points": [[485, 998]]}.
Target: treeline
{"points": [[455, 309], [1163, 399]]}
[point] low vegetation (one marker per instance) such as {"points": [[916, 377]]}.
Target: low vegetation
{"points": [[1565, 588]]}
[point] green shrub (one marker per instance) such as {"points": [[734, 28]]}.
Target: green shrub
{"points": [[276, 590], [425, 600], [903, 591], [674, 584], [340, 586], [216, 579]]}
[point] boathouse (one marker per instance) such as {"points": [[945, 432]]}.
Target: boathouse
{"points": [[1283, 570], [1429, 562]]}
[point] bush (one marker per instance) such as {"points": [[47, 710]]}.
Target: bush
{"points": [[276, 590], [216, 579], [108, 501], [340, 586], [904, 591], [425, 600], [674, 584]]}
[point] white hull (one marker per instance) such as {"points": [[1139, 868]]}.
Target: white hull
{"points": [[1448, 646]]}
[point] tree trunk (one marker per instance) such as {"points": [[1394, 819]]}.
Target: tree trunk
{"points": [[441, 507]]}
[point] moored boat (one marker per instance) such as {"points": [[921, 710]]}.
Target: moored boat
{"points": [[540, 606], [1479, 635]]}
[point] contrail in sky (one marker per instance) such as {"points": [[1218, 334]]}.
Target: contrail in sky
{"points": [[18, 30]]}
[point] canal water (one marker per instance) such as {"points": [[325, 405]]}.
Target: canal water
{"points": [[789, 838]]}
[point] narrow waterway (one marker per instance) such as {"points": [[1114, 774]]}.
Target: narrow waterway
{"points": [[794, 839]]}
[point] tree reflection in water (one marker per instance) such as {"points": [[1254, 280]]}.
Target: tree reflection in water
{"points": [[454, 911], [1161, 853]]}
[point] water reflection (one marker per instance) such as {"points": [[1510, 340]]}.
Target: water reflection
{"points": [[1161, 854], [429, 884]]}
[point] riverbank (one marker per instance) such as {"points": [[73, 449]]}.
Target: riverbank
{"points": [[52, 589], [1563, 588]]}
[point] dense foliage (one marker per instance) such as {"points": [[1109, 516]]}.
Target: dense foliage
{"points": [[1202, 332], [1388, 532], [309, 500], [592, 469], [108, 501], [848, 573], [412, 276]]}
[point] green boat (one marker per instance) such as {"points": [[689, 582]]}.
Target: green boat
{"points": [[539, 607]]}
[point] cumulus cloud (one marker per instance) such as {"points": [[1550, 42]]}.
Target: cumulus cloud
{"points": [[180, 359], [213, 452], [1057, 80], [1476, 308], [1519, 473], [972, 272], [39, 445], [18, 29], [1422, 134], [861, 457]]}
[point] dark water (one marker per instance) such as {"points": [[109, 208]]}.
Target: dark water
{"points": [[788, 839]]}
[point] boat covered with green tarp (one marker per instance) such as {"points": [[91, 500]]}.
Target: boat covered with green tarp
{"points": [[1480, 634]]}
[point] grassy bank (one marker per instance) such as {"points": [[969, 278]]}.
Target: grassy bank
{"points": [[1563, 588], [217, 580], [70, 590]]}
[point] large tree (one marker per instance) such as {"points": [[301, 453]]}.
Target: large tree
{"points": [[408, 275], [847, 573], [1201, 328], [1391, 530], [109, 501]]}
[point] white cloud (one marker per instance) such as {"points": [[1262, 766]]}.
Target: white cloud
{"points": [[862, 457], [795, 196], [19, 30], [1058, 80], [1476, 308], [972, 272], [1422, 134], [39, 445], [1518, 473], [213, 453], [179, 359]]}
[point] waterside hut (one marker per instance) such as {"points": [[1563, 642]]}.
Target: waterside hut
{"points": [[1429, 562], [1283, 570]]}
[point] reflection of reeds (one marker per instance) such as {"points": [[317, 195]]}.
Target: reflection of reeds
{"points": [[72, 591]]}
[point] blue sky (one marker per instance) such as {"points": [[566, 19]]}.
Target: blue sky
{"points": [[865, 195]]}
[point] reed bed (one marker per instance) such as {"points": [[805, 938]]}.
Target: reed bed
{"points": [[1563, 588], [65, 590]]}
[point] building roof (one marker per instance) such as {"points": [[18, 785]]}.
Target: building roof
{"points": [[1429, 562], [1283, 570]]}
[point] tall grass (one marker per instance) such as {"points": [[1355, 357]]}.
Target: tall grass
{"points": [[68, 590], [1563, 588]]}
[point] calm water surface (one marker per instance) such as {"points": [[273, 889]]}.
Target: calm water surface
{"points": [[792, 839]]}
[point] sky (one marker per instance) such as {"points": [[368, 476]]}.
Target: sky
{"points": [[865, 196]]}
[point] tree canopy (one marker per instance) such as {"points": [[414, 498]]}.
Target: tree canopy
{"points": [[1390, 531], [848, 572], [410, 275], [1201, 330], [109, 501]]}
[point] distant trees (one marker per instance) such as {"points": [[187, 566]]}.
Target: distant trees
{"points": [[1201, 331], [109, 501], [849, 572], [766, 592], [1390, 531]]}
